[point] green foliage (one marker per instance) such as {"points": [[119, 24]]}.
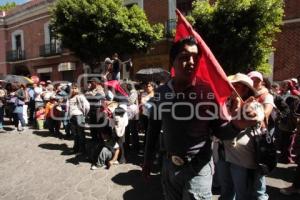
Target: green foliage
{"points": [[8, 6], [97, 28], [240, 33]]}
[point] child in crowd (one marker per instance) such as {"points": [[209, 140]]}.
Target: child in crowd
{"points": [[40, 117], [49, 114], [110, 151]]}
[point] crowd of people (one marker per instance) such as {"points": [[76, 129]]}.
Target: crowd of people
{"points": [[117, 112], [106, 111]]}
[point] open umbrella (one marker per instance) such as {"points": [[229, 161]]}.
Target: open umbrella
{"points": [[152, 74], [16, 79]]}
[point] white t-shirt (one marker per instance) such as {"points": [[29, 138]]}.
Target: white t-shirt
{"points": [[74, 107], [38, 91], [269, 99], [145, 97]]}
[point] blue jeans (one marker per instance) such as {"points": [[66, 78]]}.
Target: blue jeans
{"points": [[260, 187], [186, 182], [239, 183], [1, 116], [18, 117]]}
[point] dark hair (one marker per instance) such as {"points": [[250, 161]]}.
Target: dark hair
{"points": [[75, 85], [267, 83], [178, 46], [106, 130], [154, 85], [130, 86], [15, 87]]}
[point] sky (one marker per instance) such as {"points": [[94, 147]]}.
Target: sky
{"points": [[2, 2]]}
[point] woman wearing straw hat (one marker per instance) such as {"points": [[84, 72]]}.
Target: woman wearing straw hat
{"points": [[237, 162]]}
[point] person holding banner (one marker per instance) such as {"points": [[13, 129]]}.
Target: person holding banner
{"points": [[186, 109]]}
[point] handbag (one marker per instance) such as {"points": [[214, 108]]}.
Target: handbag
{"points": [[265, 151]]}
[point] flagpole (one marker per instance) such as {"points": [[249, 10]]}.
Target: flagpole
{"points": [[237, 94]]}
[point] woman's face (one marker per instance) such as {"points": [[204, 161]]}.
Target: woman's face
{"points": [[257, 83], [241, 89], [75, 90], [149, 88]]}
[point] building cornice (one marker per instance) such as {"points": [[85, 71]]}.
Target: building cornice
{"points": [[26, 22], [30, 13]]}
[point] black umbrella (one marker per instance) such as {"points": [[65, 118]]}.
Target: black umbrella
{"points": [[152, 74]]}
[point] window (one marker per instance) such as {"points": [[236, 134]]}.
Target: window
{"points": [[17, 46], [49, 35], [17, 40], [52, 45]]}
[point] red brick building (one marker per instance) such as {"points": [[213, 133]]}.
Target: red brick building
{"points": [[29, 47], [287, 54]]}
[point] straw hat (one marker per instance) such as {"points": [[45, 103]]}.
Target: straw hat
{"points": [[244, 79]]}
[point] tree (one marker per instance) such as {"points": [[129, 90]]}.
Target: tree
{"points": [[94, 29], [240, 33], [8, 6]]}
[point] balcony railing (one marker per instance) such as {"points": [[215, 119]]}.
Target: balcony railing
{"points": [[50, 49], [170, 27], [15, 55]]}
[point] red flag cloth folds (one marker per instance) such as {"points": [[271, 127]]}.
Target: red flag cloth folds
{"points": [[116, 85], [209, 70]]}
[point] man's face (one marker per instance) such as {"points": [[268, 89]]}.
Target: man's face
{"points": [[93, 84], [185, 63]]}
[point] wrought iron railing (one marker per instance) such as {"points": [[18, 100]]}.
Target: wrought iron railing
{"points": [[50, 49], [15, 55]]}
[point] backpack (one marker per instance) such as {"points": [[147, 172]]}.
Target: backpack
{"points": [[265, 151]]}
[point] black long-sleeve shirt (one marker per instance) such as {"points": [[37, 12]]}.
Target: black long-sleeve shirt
{"points": [[187, 120]]}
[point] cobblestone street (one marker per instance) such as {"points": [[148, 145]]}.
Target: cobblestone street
{"points": [[35, 165]]}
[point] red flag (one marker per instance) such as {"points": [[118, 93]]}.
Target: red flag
{"points": [[116, 85], [209, 70]]}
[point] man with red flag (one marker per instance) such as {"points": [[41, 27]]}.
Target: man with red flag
{"points": [[186, 110]]}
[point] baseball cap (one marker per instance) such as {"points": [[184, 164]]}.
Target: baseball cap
{"points": [[256, 74]]}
